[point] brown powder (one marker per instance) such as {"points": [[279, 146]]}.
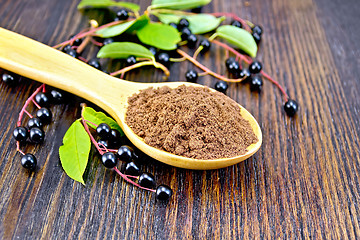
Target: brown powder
{"points": [[190, 121]]}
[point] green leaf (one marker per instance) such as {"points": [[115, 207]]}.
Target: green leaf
{"points": [[139, 23], [99, 117], [159, 35], [115, 30], [199, 23], [238, 37], [178, 4], [74, 152], [107, 3], [124, 50]]}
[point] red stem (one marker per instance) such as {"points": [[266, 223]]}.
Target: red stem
{"points": [[233, 16], [286, 97], [30, 99], [131, 181], [35, 103], [18, 148]]}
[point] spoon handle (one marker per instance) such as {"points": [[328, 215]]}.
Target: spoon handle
{"points": [[42, 63]]}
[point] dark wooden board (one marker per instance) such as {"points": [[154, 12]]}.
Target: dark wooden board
{"points": [[303, 183]]}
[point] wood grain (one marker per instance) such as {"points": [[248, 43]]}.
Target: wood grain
{"points": [[303, 183]]}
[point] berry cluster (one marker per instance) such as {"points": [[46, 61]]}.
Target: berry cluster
{"points": [[111, 138], [33, 131]]}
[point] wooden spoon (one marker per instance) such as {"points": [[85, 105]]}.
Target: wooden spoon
{"points": [[42, 63]]}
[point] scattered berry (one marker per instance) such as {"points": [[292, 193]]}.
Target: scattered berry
{"points": [[191, 75], [42, 99], [72, 52], [221, 86], [109, 160], [28, 161], [147, 180], [34, 122], [256, 37], [163, 192], [103, 130], [108, 41], [257, 29], [255, 67], [36, 135], [183, 23], [229, 61], [245, 74], [185, 33], [94, 63], [132, 169], [125, 153], [130, 60], [76, 42], [122, 14], [234, 67], [192, 40], [164, 58], [44, 114], [205, 44], [256, 83], [291, 107], [56, 96], [20, 134], [9, 79], [236, 24]]}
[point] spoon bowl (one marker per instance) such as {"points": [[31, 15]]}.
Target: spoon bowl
{"points": [[42, 63]]}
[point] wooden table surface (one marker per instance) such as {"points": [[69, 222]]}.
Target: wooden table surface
{"points": [[303, 182]]}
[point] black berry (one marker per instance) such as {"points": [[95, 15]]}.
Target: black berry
{"points": [[130, 60], [191, 75], [153, 50], [291, 107], [20, 134], [221, 86], [164, 58], [256, 83], [191, 40], [229, 61], [114, 138], [103, 143], [163, 192], [108, 41], [44, 114], [257, 29], [234, 67], [147, 180], [183, 23], [109, 160], [66, 48], [256, 37], [236, 24], [94, 63], [103, 131], [245, 74], [205, 44], [28, 161], [42, 99], [9, 79], [56, 96], [122, 14], [125, 153], [72, 52], [185, 33], [174, 25], [255, 67], [196, 10], [36, 135], [76, 42], [132, 169], [35, 122]]}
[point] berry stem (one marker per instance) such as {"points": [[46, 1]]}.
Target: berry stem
{"points": [[96, 42], [177, 59], [131, 181], [246, 59], [205, 69], [140, 64], [196, 53], [18, 148], [35, 103], [233, 16], [27, 113], [27, 102], [88, 130], [286, 97]]}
